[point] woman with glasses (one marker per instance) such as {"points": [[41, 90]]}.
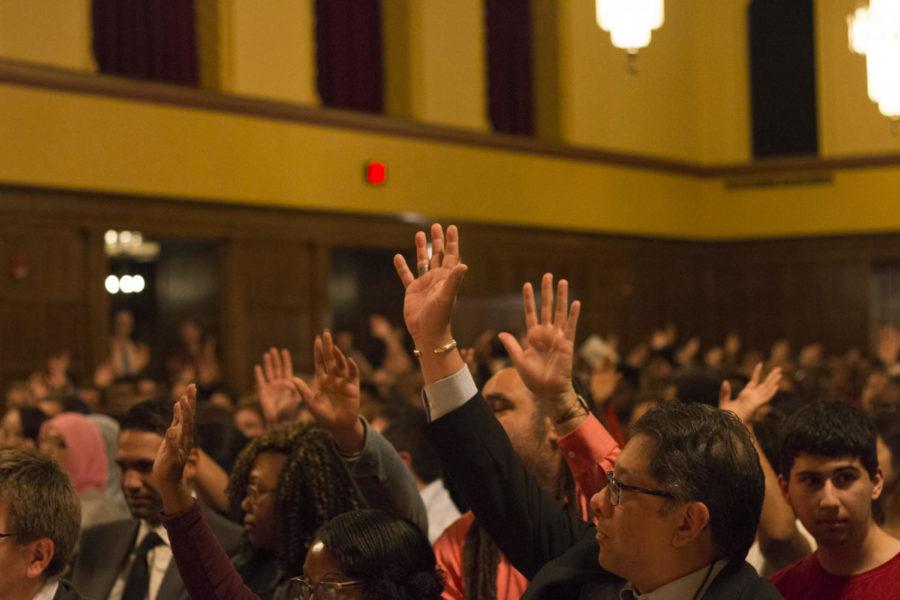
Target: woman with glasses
{"points": [[368, 555], [306, 486]]}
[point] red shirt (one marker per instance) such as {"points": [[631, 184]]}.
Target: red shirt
{"points": [[807, 580]]}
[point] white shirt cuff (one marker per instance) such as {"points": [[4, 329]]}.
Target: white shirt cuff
{"points": [[448, 394]]}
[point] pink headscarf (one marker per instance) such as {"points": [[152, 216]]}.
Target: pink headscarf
{"points": [[85, 462]]}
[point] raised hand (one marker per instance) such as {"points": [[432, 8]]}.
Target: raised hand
{"points": [[278, 396], [335, 403], [429, 299], [754, 394], [174, 453], [546, 365]]}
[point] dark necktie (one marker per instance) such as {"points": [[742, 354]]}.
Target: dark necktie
{"points": [[138, 583]]}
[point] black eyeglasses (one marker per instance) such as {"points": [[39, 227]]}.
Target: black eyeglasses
{"points": [[301, 589], [616, 488]]}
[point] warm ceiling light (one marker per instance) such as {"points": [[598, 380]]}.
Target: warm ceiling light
{"points": [[875, 32], [630, 22]]}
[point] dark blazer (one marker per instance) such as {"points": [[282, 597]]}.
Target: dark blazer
{"points": [[554, 550], [105, 548], [65, 591]]}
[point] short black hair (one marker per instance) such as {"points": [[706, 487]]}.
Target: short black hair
{"points": [[832, 429], [389, 554], [706, 455], [405, 433], [152, 416]]}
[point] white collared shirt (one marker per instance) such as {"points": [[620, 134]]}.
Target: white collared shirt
{"points": [[692, 585], [48, 591], [158, 561], [439, 506]]}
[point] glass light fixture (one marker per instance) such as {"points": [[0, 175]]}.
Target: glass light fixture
{"points": [[630, 22], [874, 31]]}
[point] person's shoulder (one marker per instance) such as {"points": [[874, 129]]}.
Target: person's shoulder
{"points": [[739, 580], [66, 591], [801, 570], [108, 529], [229, 533]]}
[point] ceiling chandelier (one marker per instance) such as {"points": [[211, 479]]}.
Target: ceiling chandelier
{"points": [[630, 22], [875, 32]]}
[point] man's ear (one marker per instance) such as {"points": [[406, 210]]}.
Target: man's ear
{"points": [[694, 520], [40, 554], [877, 483]]}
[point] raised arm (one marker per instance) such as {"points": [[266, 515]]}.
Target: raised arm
{"points": [[528, 524], [374, 465], [278, 396], [780, 542], [546, 369], [203, 564]]}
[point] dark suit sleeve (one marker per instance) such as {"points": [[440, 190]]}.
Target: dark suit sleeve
{"points": [[527, 523], [204, 566]]}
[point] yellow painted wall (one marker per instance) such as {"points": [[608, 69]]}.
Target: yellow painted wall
{"points": [[447, 63], [50, 32], [688, 101], [267, 49], [849, 122], [71, 141]]}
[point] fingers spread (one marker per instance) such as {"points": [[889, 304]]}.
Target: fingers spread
{"points": [[451, 251], [724, 393], [305, 391], [287, 364], [406, 276], [512, 346], [328, 353], [530, 308], [421, 248], [452, 283], [437, 245], [546, 299], [562, 303], [318, 358], [757, 373], [268, 366], [572, 323]]}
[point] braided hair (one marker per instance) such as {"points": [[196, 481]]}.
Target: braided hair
{"points": [[481, 556], [313, 487]]}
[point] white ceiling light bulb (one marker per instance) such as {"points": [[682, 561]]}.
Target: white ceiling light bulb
{"points": [[630, 22], [111, 237], [875, 32], [139, 283], [112, 284], [126, 284]]}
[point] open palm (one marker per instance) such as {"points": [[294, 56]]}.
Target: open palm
{"points": [[545, 366], [754, 395], [429, 299], [275, 388], [335, 402]]}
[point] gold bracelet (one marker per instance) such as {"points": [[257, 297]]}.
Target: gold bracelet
{"points": [[439, 350]]}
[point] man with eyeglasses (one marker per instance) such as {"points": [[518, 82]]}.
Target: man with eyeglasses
{"points": [[685, 495], [40, 516]]}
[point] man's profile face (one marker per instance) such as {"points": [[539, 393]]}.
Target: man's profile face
{"points": [[832, 497], [14, 558], [135, 455], [515, 407], [636, 535]]}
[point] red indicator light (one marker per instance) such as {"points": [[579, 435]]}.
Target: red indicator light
{"points": [[376, 173]]}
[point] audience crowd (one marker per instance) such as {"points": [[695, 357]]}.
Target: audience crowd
{"points": [[545, 463]]}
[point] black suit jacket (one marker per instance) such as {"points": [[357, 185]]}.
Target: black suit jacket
{"points": [[65, 591], [105, 548], [554, 550]]}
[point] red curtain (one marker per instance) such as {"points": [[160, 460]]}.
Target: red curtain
{"points": [[146, 39], [509, 54], [349, 54]]}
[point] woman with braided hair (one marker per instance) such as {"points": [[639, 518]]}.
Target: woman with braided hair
{"points": [[284, 485], [285, 498]]}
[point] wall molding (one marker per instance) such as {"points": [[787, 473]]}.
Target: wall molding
{"points": [[79, 82]]}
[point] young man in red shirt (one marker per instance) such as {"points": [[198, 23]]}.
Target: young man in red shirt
{"points": [[830, 476]]}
